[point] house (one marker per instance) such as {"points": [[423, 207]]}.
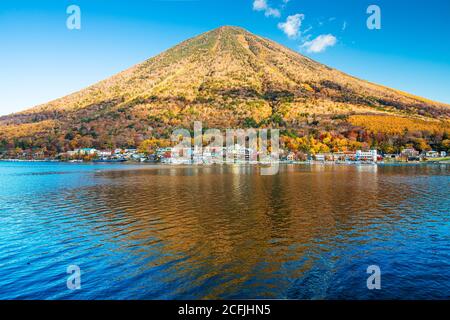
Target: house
{"points": [[344, 156], [290, 156], [177, 152], [319, 157], [86, 152], [104, 153], [388, 157], [238, 153], [443, 154], [339, 156], [410, 154], [432, 154], [213, 154], [164, 154], [177, 155], [371, 155], [164, 151]]}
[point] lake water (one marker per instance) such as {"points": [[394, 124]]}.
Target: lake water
{"points": [[162, 232]]}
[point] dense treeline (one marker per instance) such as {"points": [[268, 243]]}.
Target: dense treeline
{"points": [[310, 134]]}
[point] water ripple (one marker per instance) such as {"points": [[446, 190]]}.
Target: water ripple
{"points": [[224, 232]]}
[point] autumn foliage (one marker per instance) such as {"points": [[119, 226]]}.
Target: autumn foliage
{"points": [[230, 78]]}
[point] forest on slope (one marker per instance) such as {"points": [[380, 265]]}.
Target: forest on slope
{"points": [[230, 78]]}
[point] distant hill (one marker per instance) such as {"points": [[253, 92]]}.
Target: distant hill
{"points": [[227, 78]]}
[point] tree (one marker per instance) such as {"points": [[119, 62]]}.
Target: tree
{"points": [[421, 145], [150, 146], [446, 144]]}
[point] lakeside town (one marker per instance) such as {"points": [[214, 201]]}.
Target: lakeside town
{"points": [[235, 154]]}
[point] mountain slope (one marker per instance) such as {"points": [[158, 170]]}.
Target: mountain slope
{"points": [[227, 77]]}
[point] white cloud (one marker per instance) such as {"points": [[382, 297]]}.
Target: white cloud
{"points": [[270, 12], [320, 44], [292, 25], [344, 26], [262, 5]]}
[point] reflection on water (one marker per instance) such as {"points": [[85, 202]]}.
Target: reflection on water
{"points": [[156, 232]]}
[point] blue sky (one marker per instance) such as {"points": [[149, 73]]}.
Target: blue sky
{"points": [[40, 59]]}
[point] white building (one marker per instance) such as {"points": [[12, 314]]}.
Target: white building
{"points": [[371, 155], [432, 154], [238, 153], [84, 152], [104, 153], [319, 157]]}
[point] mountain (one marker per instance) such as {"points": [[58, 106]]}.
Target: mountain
{"points": [[228, 78]]}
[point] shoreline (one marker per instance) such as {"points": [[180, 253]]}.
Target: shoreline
{"points": [[322, 163]]}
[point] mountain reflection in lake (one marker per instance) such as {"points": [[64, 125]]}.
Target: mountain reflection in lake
{"points": [[161, 232]]}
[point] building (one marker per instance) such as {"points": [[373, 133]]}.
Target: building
{"points": [[344, 156], [290, 156], [410, 152], [390, 157], [319, 157], [84, 152], [104, 153], [164, 152], [371, 155], [432, 154], [238, 153], [213, 155]]}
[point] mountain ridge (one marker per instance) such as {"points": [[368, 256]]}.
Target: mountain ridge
{"points": [[239, 30], [227, 77]]}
